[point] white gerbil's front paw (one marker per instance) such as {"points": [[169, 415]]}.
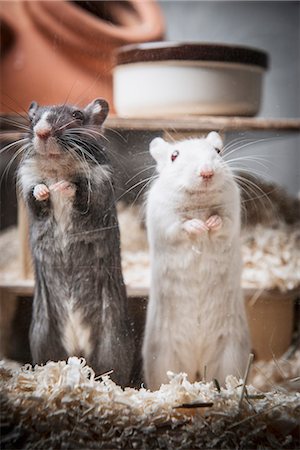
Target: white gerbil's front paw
{"points": [[41, 192], [195, 226], [66, 188], [214, 223]]}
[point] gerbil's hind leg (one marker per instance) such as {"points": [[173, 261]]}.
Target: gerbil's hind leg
{"points": [[45, 346], [229, 360], [157, 364], [155, 369], [113, 356]]}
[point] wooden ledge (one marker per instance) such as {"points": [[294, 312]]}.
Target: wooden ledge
{"points": [[204, 123], [23, 288], [8, 123]]}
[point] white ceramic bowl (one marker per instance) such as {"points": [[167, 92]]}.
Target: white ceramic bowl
{"points": [[158, 79]]}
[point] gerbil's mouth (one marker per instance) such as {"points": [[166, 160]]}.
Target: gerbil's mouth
{"points": [[207, 183], [54, 155], [201, 186]]}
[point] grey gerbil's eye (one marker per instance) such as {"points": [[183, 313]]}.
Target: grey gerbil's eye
{"points": [[78, 115], [174, 155]]}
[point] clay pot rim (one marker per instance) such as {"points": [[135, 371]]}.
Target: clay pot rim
{"points": [[82, 30], [191, 51], [275, 293]]}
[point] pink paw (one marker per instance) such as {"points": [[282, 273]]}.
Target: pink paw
{"points": [[66, 188], [214, 223], [41, 192], [195, 226]]}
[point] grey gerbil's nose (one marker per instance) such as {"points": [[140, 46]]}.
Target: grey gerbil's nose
{"points": [[207, 174], [43, 133]]}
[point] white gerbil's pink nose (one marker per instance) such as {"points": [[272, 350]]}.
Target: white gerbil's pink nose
{"points": [[43, 133], [207, 174]]}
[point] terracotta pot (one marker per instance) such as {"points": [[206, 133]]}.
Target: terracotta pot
{"points": [[271, 320], [57, 51]]}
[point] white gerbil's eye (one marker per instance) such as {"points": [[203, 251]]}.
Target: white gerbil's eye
{"points": [[218, 150], [78, 115], [174, 155]]}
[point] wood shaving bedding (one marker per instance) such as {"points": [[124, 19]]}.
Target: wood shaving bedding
{"points": [[62, 406], [271, 258], [282, 374]]}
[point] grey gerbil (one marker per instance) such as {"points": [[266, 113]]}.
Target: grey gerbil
{"points": [[80, 304], [266, 203], [196, 320]]}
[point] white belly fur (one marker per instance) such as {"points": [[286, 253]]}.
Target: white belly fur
{"points": [[76, 336], [62, 210], [195, 321]]}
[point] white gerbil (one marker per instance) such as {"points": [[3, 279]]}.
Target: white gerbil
{"points": [[196, 320]]}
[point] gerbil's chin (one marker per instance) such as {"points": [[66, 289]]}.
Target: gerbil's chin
{"points": [[201, 185], [47, 147]]}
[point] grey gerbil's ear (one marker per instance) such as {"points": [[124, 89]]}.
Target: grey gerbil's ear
{"points": [[97, 111], [215, 140], [32, 110]]}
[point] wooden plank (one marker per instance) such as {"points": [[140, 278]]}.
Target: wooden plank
{"points": [[21, 287], [25, 287], [203, 123], [180, 123], [8, 306], [23, 229]]}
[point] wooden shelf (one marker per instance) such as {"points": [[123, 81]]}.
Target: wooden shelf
{"points": [[176, 123], [204, 123], [25, 287]]}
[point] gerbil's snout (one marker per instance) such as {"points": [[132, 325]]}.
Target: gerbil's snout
{"points": [[43, 133], [207, 174], [43, 128], [44, 138]]}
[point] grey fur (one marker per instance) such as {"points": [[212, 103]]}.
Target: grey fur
{"points": [[78, 268]]}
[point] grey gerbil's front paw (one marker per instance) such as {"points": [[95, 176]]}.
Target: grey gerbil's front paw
{"points": [[41, 192], [214, 222], [66, 188], [195, 226]]}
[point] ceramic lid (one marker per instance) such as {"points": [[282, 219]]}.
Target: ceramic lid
{"points": [[191, 51]]}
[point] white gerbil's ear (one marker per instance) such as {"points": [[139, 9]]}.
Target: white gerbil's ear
{"points": [[158, 148], [159, 151], [97, 111], [215, 140]]}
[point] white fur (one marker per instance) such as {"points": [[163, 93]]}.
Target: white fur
{"points": [[62, 209], [76, 337], [35, 170], [30, 174], [42, 124], [195, 318]]}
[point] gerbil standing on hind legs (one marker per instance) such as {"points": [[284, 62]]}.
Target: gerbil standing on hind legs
{"points": [[196, 317], [80, 304]]}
